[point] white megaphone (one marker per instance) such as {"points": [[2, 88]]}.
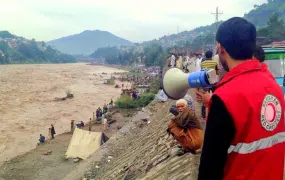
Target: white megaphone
{"points": [[176, 83]]}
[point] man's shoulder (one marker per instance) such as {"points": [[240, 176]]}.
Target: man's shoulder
{"points": [[209, 61], [247, 84]]}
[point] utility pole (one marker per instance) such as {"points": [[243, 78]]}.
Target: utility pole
{"points": [[217, 14]]}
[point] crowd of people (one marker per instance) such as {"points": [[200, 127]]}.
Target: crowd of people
{"points": [[153, 70], [100, 116], [101, 113], [244, 136], [137, 80]]}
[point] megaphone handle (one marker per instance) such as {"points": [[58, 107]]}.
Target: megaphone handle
{"points": [[201, 90], [206, 78]]}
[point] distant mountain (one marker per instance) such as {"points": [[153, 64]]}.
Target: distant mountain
{"points": [[87, 42], [18, 50]]}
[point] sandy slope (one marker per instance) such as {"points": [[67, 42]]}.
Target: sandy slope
{"points": [[27, 106], [34, 165]]}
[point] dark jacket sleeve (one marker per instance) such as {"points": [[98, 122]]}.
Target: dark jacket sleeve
{"points": [[220, 131]]}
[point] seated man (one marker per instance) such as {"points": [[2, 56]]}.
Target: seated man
{"points": [[97, 113], [42, 138], [109, 106], [81, 124], [105, 124], [105, 109], [259, 54], [134, 95], [186, 128]]}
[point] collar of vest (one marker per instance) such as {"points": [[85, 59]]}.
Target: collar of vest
{"points": [[245, 67]]}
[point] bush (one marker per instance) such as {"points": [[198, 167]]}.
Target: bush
{"points": [[154, 85], [145, 99], [126, 102]]}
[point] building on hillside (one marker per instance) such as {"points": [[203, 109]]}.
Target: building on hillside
{"points": [[181, 51], [139, 49], [2, 53], [276, 44], [12, 42], [260, 40]]}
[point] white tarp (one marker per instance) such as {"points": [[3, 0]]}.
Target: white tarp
{"points": [[161, 96], [83, 144]]}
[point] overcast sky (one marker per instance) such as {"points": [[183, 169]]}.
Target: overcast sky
{"points": [[134, 20]]}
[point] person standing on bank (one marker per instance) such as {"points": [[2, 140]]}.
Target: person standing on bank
{"points": [[245, 132], [52, 131]]}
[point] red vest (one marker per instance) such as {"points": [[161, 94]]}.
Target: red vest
{"points": [[256, 104]]}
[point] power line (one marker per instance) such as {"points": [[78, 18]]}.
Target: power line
{"points": [[217, 14]]}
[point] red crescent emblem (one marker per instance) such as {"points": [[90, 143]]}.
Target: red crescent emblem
{"points": [[270, 112]]}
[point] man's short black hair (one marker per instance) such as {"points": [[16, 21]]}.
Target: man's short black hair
{"points": [[238, 37], [259, 54], [209, 54]]}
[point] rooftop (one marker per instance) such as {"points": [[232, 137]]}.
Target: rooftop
{"points": [[274, 50]]}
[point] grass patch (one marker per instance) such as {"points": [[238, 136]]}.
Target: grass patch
{"points": [[154, 85], [126, 102]]}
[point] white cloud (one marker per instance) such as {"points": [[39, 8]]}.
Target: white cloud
{"points": [[131, 19]]}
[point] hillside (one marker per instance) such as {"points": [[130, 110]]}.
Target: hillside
{"points": [[15, 49], [87, 42], [259, 16], [184, 37]]}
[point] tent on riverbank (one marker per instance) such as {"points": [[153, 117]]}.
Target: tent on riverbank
{"points": [[84, 143]]}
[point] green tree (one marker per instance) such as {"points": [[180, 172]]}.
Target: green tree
{"points": [[154, 55], [6, 34], [275, 31], [104, 52], [11, 55]]}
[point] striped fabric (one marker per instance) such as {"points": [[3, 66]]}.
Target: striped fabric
{"points": [[246, 148], [209, 64]]}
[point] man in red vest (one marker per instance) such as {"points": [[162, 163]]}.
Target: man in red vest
{"points": [[245, 132]]}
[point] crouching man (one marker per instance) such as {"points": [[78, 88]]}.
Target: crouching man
{"points": [[42, 138], [186, 128]]}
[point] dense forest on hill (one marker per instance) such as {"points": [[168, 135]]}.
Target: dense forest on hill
{"points": [[152, 55], [274, 31], [6, 34], [203, 35], [261, 14], [14, 49]]}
